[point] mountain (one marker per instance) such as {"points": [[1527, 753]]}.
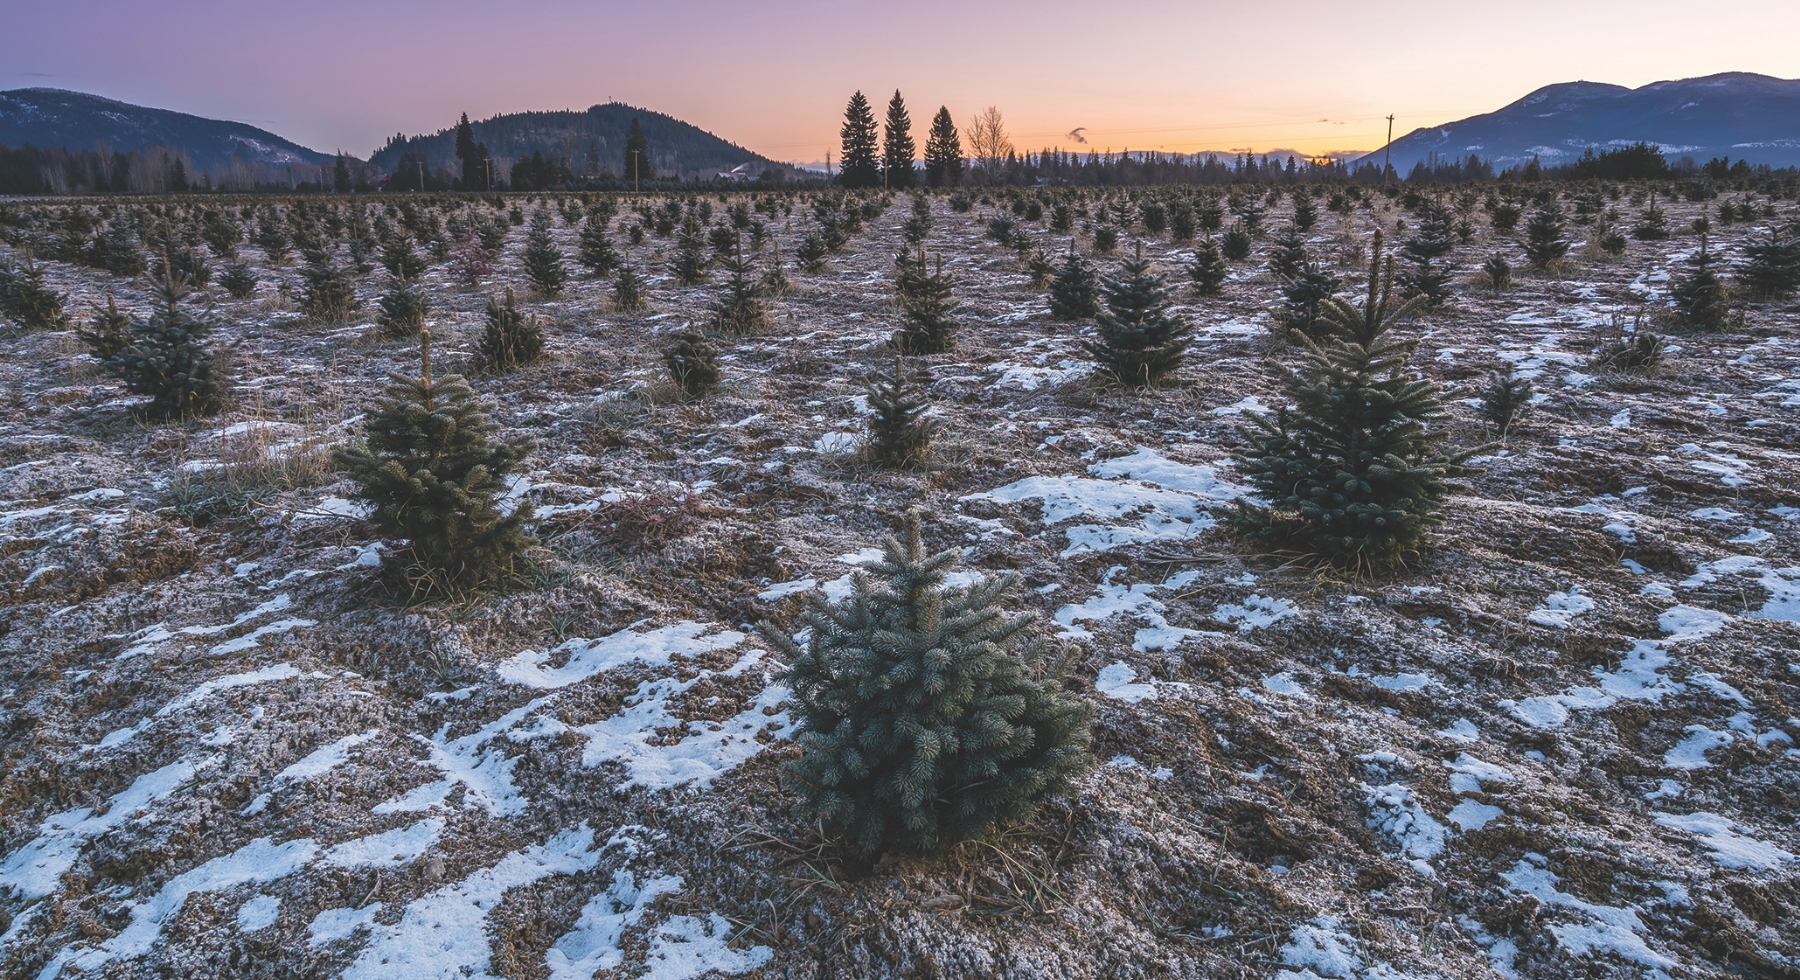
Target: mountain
{"points": [[1736, 114], [590, 142], [53, 118]]}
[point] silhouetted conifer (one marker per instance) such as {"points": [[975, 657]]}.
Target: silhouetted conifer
{"points": [[859, 167], [1698, 294], [543, 259], [897, 147], [1207, 270], [943, 152]]}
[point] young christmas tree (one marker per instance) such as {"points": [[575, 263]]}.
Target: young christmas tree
{"points": [[1235, 243], [691, 262], [899, 431], [1289, 254], [1139, 340], [328, 290], [1506, 398], [512, 339], [943, 152], [167, 360], [402, 308], [897, 147], [1106, 238], [1306, 213], [26, 300], [1207, 270], [432, 466], [859, 167], [119, 252], [1353, 474], [398, 257], [918, 226], [1699, 296], [543, 260], [595, 251], [1182, 224], [1652, 225], [692, 362], [1499, 272], [740, 310], [108, 333], [1304, 294], [1771, 270], [628, 288], [928, 714], [927, 323], [1545, 243], [1434, 239], [1075, 292], [238, 280]]}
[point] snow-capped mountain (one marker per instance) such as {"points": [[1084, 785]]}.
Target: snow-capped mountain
{"points": [[1735, 114]]}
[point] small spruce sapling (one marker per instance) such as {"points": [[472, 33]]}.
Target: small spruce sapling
{"points": [[1139, 340], [167, 359], [1498, 272], [693, 363], [1507, 397], [927, 305], [432, 465], [1075, 291], [899, 431], [107, 334], [1545, 242], [543, 259], [1208, 269], [1699, 296], [28, 301], [238, 280], [740, 309], [929, 715], [512, 339], [1354, 474]]}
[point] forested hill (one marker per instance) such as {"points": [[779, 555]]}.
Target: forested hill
{"points": [[50, 118], [590, 142]]}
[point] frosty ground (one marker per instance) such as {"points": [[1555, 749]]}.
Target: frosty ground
{"points": [[1561, 741]]}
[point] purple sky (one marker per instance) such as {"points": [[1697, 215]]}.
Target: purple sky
{"points": [[774, 75]]}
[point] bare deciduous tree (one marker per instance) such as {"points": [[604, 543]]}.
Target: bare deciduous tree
{"points": [[989, 145]]}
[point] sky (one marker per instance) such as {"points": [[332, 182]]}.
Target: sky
{"points": [[1314, 76]]}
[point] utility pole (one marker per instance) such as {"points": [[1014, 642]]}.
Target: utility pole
{"points": [[1387, 160], [637, 172]]}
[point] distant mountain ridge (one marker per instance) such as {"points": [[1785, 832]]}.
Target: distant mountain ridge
{"points": [[591, 142], [1735, 114], [56, 118]]}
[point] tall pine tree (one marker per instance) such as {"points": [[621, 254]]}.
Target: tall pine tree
{"points": [[929, 715], [1139, 340], [431, 463], [897, 147], [858, 164], [637, 155], [943, 152], [1354, 473]]}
